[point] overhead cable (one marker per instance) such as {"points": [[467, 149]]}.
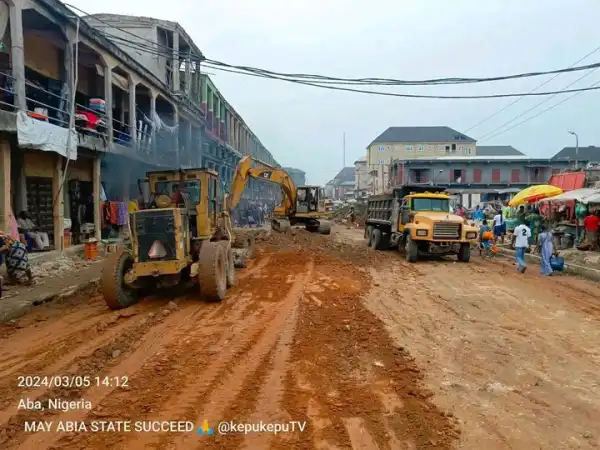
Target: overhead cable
{"points": [[540, 113], [533, 90], [322, 78]]}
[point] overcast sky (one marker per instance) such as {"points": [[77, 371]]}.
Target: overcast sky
{"points": [[303, 126]]}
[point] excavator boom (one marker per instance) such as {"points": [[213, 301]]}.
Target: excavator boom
{"points": [[244, 171], [288, 213]]}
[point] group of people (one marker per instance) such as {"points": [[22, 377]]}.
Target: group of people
{"points": [[251, 214], [531, 230]]}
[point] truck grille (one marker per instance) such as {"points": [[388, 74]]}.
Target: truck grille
{"points": [[155, 225], [446, 230]]}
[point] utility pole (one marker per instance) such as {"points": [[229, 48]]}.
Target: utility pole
{"points": [[576, 149]]}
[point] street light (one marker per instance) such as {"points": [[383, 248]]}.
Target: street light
{"points": [[576, 148]]}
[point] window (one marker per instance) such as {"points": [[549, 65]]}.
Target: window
{"points": [[431, 204], [421, 148], [469, 150], [191, 187], [453, 148], [409, 148], [381, 148], [476, 175], [515, 176], [447, 149], [495, 175]]}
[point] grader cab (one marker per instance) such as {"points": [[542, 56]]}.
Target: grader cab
{"points": [[180, 235]]}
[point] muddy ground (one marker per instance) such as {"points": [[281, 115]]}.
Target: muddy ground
{"points": [[373, 353]]}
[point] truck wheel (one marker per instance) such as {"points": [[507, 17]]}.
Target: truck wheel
{"points": [[412, 250], [212, 271], [384, 244], [230, 271], [376, 239], [464, 254], [369, 235], [117, 294]]}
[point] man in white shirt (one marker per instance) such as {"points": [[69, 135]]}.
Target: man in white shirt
{"points": [[499, 227], [27, 226], [522, 234]]}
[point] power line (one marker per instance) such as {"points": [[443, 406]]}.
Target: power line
{"points": [[395, 94], [533, 90], [541, 112], [364, 91], [486, 136], [152, 46]]}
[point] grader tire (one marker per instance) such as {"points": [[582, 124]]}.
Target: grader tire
{"points": [[230, 273], [212, 272], [117, 295]]}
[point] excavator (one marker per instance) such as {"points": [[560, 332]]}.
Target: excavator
{"points": [[300, 205]]}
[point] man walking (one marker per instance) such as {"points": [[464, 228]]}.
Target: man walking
{"points": [[522, 234]]}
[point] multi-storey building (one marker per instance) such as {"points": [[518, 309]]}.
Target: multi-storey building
{"points": [[475, 175], [298, 176], [406, 143], [362, 178], [137, 107]]}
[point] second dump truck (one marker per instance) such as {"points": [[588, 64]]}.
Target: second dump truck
{"points": [[417, 220]]}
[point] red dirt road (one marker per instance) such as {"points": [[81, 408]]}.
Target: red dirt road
{"points": [[373, 353], [292, 342]]}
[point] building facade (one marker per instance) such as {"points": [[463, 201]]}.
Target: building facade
{"points": [[362, 178], [406, 143], [298, 176], [475, 174], [137, 108]]}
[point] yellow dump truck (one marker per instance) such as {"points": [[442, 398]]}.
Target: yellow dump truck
{"points": [[417, 221]]}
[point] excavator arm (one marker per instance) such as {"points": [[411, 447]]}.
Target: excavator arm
{"points": [[244, 171]]}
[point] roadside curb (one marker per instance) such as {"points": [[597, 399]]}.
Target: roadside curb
{"points": [[572, 269], [23, 308]]}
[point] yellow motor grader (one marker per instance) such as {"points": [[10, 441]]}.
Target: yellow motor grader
{"points": [[181, 234]]}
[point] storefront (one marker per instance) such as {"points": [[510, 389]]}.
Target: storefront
{"points": [[79, 197], [39, 168]]}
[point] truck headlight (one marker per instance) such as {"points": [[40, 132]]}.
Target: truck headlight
{"points": [[421, 232], [472, 235]]}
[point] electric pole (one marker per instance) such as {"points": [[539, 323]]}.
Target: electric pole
{"points": [[344, 150]]}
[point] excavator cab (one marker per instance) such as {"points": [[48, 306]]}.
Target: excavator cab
{"points": [[310, 199]]}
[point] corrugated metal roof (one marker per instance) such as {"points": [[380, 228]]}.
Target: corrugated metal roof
{"points": [[421, 134], [568, 181], [346, 174], [590, 153]]}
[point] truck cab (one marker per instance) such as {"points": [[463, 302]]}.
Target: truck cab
{"points": [[418, 221]]}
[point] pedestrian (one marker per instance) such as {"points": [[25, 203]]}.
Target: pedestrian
{"points": [[478, 216], [545, 249], [485, 239], [16, 258], [351, 216], [499, 227], [534, 222], [591, 224], [522, 234]]}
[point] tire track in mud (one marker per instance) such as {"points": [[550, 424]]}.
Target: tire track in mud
{"points": [[162, 373], [354, 386], [251, 367], [140, 343]]}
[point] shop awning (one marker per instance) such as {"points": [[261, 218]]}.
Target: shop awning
{"points": [[594, 198], [581, 195]]}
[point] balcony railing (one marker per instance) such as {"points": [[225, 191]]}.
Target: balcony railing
{"points": [[92, 130]]}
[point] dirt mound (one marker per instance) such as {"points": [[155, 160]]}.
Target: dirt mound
{"points": [[299, 239]]}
